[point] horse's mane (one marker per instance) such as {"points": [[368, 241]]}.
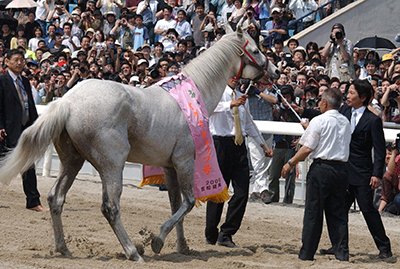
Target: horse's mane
{"points": [[214, 62]]}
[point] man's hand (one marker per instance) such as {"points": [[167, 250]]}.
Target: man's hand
{"points": [[3, 135], [267, 150], [240, 101], [375, 182], [285, 170]]}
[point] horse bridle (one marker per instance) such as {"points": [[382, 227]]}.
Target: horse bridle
{"points": [[252, 62]]}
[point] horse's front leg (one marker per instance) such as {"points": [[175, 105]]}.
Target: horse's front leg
{"points": [[179, 181]]}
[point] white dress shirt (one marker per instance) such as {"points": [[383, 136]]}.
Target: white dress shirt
{"points": [[329, 136], [222, 123], [360, 112]]}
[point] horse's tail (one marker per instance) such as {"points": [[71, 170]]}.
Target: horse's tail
{"points": [[34, 141]]}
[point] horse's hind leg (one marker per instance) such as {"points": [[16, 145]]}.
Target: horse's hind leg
{"points": [[71, 163], [183, 181]]}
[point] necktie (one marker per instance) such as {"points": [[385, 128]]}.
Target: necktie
{"points": [[24, 100], [353, 121], [236, 120]]}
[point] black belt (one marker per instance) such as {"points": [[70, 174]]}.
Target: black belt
{"points": [[330, 162], [223, 137]]}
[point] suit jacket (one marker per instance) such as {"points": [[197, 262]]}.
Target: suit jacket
{"points": [[368, 134], [11, 109]]}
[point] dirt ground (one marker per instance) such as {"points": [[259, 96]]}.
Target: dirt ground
{"points": [[269, 236]]}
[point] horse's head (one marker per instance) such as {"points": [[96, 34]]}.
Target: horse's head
{"points": [[253, 63]]}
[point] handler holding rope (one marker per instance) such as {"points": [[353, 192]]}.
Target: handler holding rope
{"points": [[327, 141]]}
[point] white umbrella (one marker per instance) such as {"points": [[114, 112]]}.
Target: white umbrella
{"points": [[21, 4]]}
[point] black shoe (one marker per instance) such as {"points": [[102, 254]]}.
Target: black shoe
{"points": [[266, 196], [211, 242], [254, 197], [226, 241], [329, 251], [343, 258], [385, 255]]}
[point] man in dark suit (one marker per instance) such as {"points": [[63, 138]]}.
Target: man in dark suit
{"points": [[18, 112], [365, 171]]}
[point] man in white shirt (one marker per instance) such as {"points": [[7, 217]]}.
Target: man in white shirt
{"points": [[232, 159], [327, 141]]}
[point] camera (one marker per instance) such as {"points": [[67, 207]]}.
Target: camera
{"points": [[339, 35], [393, 95]]}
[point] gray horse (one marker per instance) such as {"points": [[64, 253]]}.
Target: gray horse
{"points": [[107, 124]]}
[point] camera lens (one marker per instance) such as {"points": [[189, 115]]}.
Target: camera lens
{"points": [[339, 35]]}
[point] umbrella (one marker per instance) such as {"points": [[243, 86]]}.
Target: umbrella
{"points": [[375, 43], [22, 4], [7, 19]]}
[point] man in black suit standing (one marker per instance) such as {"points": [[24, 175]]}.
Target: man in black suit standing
{"points": [[365, 171], [18, 112]]}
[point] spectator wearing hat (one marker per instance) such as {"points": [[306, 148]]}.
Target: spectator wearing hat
{"points": [[299, 57], [109, 22], [182, 25], [338, 52], [76, 24], [275, 28], [142, 65]]}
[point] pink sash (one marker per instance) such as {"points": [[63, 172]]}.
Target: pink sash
{"points": [[209, 184]]}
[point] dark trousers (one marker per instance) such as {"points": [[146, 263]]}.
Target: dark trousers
{"points": [[29, 182], [365, 195], [233, 162], [279, 158], [326, 192]]}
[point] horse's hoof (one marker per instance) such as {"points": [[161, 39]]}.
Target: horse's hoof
{"points": [[157, 244], [64, 252], [139, 248], [184, 250]]}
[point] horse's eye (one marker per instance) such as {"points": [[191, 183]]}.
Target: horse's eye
{"points": [[256, 51]]}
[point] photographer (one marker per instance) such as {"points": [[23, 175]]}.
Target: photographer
{"points": [[390, 199], [338, 51], [124, 33]]}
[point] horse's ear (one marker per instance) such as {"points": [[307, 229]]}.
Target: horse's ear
{"points": [[228, 28], [239, 31]]}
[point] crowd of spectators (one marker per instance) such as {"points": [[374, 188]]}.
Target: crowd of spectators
{"points": [[137, 42]]}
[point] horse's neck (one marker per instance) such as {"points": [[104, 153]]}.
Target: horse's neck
{"points": [[211, 72]]}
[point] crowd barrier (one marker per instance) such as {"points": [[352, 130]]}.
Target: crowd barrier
{"points": [[133, 172]]}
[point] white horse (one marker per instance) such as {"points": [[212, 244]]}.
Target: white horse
{"points": [[107, 124]]}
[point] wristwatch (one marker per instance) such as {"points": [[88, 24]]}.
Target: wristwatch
{"points": [[289, 162]]}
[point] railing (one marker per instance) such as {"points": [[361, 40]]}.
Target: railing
{"points": [[293, 24]]}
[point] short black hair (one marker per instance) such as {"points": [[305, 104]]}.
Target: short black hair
{"points": [[13, 52], [364, 89]]}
